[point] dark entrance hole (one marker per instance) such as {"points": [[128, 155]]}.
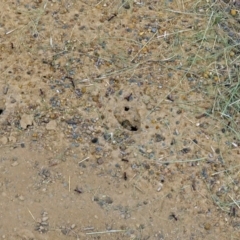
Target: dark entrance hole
{"points": [[126, 124], [134, 128]]}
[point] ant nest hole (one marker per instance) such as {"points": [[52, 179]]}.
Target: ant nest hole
{"points": [[128, 117]]}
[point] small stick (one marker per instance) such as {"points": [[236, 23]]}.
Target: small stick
{"points": [[180, 161], [45, 4], [234, 201], [228, 169], [98, 3], [110, 231], [214, 42], [133, 177], [145, 45], [88, 228], [113, 16], [187, 13], [69, 184], [138, 188], [51, 42], [31, 215], [11, 31], [72, 32], [83, 160], [169, 34], [188, 119]]}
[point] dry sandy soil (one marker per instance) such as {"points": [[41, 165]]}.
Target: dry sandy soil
{"points": [[107, 122]]}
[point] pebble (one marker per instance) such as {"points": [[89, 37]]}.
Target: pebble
{"points": [[26, 120], [35, 136], [44, 223], [159, 187], [44, 214], [232, 54], [64, 231], [38, 220], [52, 125], [233, 12], [126, 5], [100, 161], [44, 219], [4, 140], [5, 89], [12, 139], [14, 164], [21, 198], [12, 100], [207, 226]]}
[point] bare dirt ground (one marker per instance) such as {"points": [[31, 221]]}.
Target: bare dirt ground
{"points": [[111, 120]]}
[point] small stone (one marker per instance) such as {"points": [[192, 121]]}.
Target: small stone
{"points": [[231, 54], [73, 226], [41, 228], [12, 100], [12, 139], [38, 220], [26, 120], [44, 219], [44, 223], [126, 4], [159, 137], [4, 140], [35, 136], [207, 226], [53, 116], [64, 231], [5, 89], [52, 125], [100, 161], [108, 200], [21, 198], [159, 187], [233, 12], [14, 164]]}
